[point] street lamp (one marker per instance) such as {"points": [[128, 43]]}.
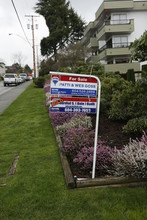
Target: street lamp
{"points": [[21, 38]]}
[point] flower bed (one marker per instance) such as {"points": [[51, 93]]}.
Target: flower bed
{"points": [[78, 141], [76, 134]]}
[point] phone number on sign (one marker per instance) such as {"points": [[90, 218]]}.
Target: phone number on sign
{"points": [[86, 110]]}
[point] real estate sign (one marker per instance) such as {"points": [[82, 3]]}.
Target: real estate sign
{"points": [[73, 85], [73, 104], [76, 93]]}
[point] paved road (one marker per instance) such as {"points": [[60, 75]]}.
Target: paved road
{"points": [[9, 94]]}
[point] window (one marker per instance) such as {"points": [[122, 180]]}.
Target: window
{"points": [[120, 41], [119, 19]]}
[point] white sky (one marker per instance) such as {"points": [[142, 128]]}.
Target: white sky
{"points": [[12, 45]]}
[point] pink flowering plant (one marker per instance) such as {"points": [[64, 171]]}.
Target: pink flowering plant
{"points": [[77, 138], [131, 161], [60, 118], [84, 159], [77, 121], [47, 86]]}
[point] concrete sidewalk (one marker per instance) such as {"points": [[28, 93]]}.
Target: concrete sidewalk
{"points": [[7, 98]]}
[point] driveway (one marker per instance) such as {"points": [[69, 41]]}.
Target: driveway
{"points": [[9, 94]]}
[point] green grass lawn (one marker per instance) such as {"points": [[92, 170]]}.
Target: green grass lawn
{"points": [[37, 191]]}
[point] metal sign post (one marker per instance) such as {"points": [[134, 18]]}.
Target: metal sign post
{"points": [[96, 128], [65, 85]]}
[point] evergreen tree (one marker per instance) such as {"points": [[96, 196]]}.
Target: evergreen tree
{"points": [[27, 69], [139, 48], [64, 25]]}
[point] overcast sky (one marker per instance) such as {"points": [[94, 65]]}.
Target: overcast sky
{"points": [[15, 44]]}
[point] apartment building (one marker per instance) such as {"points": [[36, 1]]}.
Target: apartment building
{"points": [[117, 23]]}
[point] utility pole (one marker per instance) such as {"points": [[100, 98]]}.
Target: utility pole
{"points": [[33, 41], [37, 60]]}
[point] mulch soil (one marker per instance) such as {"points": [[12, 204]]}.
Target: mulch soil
{"points": [[111, 131]]}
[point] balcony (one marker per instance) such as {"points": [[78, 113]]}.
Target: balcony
{"points": [[92, 43], [88, 32], [115, 27], [88, 28], [121, 67], [120, 49], [114, 5]]}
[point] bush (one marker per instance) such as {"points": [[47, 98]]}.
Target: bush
{"points": [[110, 84], [77, 138], [61, 118], [39, 82], [131, 75], [77, 121], [131, 161], [136, 125], [130, 102], [84, 159]]}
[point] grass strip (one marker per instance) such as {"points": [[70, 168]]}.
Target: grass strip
{"points": [[37, 190]]}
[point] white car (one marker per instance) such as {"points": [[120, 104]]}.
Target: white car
{"points": [[11, 78], [23, 79], [24, 75]]}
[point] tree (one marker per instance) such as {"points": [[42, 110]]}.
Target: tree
{"points": [[139, 48], [15, 68], [18, 58], [65, 26], [69, 56], [27, 69]]}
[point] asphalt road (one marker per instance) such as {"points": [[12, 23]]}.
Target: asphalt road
{"points": [[9, 94]]}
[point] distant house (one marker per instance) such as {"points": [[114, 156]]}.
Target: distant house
{"points": [[117, 23], [2, 69]]}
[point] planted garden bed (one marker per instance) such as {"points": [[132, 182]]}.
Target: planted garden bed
{"points": [[77, 163]]}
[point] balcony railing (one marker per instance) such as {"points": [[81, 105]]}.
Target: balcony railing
{"points": [[115, 22], [115, 45]]}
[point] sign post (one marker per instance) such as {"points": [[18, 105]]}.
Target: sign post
{"points": [[72, 92]]}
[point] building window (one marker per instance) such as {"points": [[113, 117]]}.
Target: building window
{"points": [[120, 41], [119, 19]]}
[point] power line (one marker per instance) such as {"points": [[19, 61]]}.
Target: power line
{"points": [[20, 22]]}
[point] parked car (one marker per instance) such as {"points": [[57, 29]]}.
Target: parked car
{"points": [[24, 75], [20, 79], [23, 79], [11, 78]]}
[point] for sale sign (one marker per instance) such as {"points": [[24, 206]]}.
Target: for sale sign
{"points": [[73, 85], [76, 93], [73, 104]]}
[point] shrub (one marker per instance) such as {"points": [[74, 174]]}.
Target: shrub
{"points": [[84, 159], [136, 125], [77, 121], [131, 75], [129, 103], [77, 138], [110, 84], [39, 82], [60, 118], [131, 161]]}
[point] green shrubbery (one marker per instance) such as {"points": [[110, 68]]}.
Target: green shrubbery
{"points": [[131, 104], [136, 125], [40, 81], [110, 84]]}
